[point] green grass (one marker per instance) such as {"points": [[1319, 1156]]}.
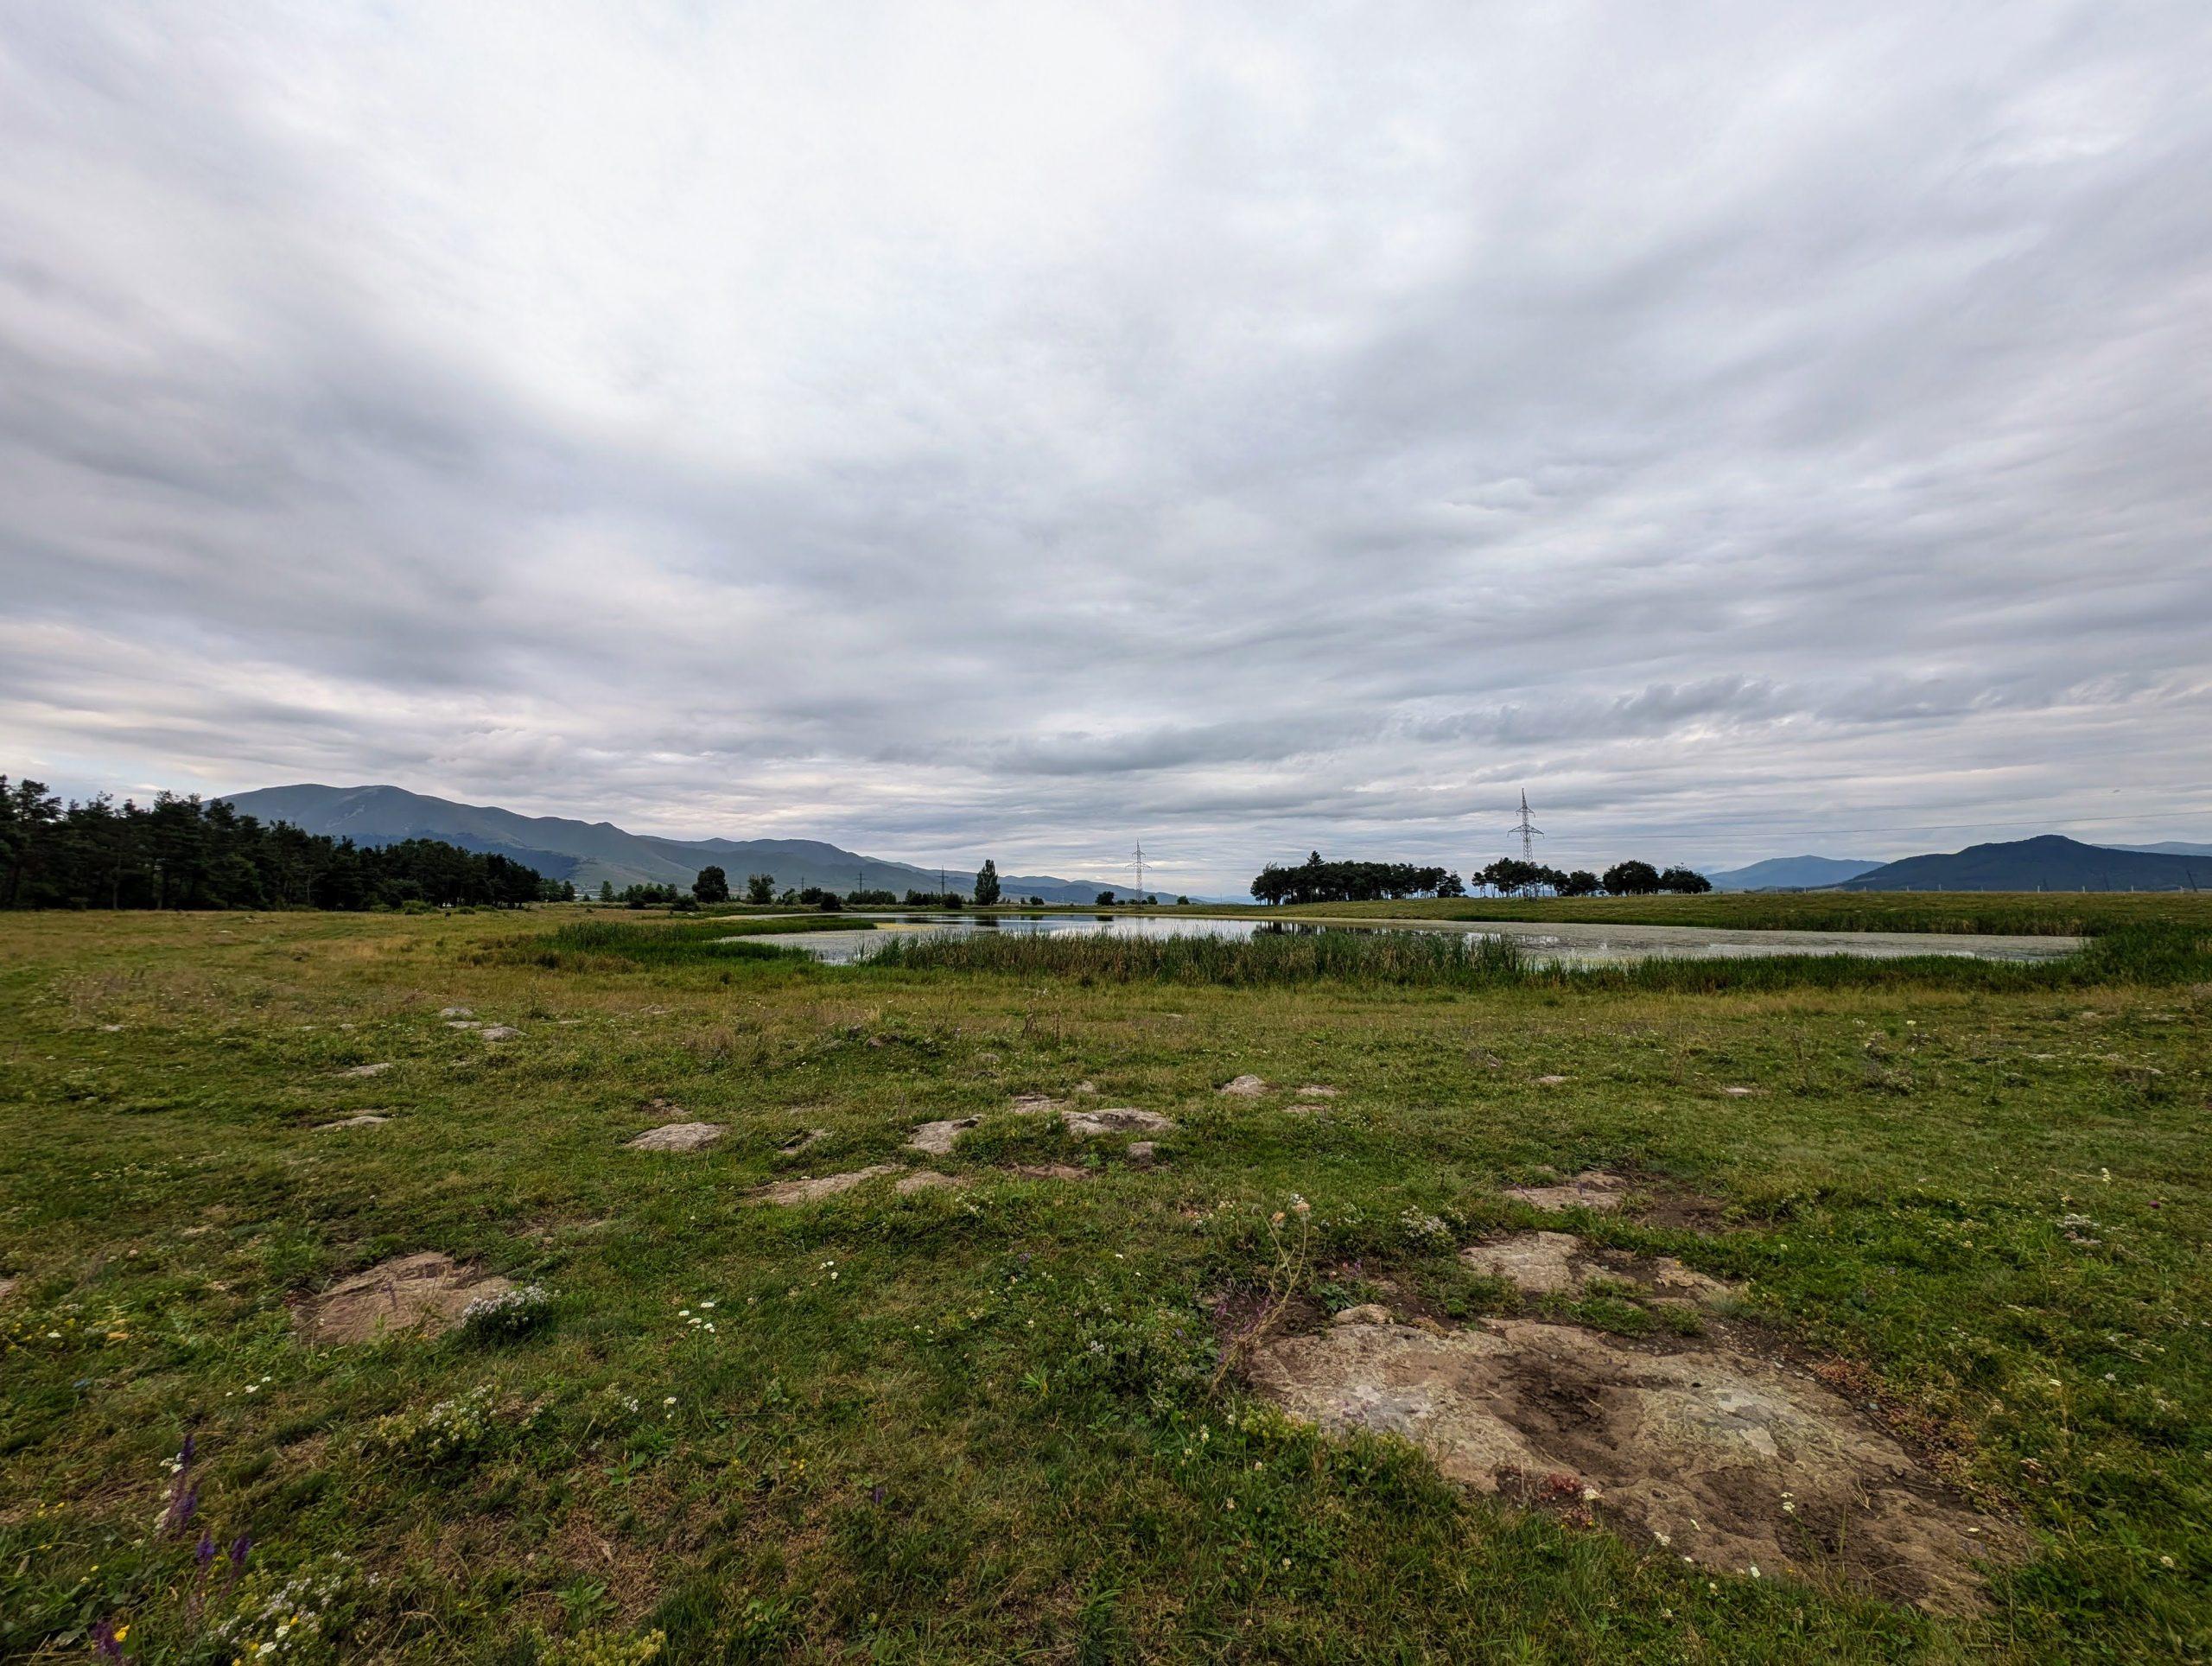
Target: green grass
{"points": [[994, 1433]]}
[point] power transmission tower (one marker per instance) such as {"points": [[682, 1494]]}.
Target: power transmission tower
{"points": [[1140, 870], [1528, 831]]}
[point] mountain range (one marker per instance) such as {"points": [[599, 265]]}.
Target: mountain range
{"points": [[590, 853], [1792, 873]]}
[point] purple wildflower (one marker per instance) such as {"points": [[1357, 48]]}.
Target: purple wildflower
{"points": [[105, 1641], [240, 1546], [204, 1552]]}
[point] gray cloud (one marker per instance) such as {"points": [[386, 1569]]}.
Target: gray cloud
{"points": [[1017, 430]]}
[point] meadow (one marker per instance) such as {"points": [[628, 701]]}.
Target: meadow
{"points": [[1014, 1413]]}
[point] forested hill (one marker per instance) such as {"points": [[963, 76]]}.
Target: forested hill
{"points": [[182, 853], [590, 853], [2050, 863]]}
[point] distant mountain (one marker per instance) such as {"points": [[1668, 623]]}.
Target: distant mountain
{"points": [[1791, 873], [590, 852], [2048, 863], [2170, 847]]}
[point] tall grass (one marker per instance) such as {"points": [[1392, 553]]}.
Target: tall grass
{"points": [[584, 943], [1432, 959], [2001, 913]]}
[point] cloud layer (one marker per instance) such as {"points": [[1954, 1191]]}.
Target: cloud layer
{"points": [[1013, 430]]}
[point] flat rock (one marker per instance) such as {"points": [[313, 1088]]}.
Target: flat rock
{"points": [[937, 1139], [421, 1293], [462, 1024], [361, 1119], [1593, 1188], [1315, 1091], [825, 1186], [1050, 1172], [1243, 1087], [456, 1011], [1739, 1093], [367, 1070], [1090, 1124], [499, 1032], [1368, 1312], [677, 1136], [1707, 1452], [925, 1180], [1549, 1081], [1558, 1264]]}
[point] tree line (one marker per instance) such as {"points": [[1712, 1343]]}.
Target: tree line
{"points": [[1316, 881], [184, 853]]}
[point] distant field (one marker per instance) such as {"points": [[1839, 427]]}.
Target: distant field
{"points": [[2024, 913], [1017, 1413]]}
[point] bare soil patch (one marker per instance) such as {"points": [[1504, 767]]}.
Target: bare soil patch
{"points": [[424, 1294], [806, 1189], [677, 1136], [925, 1180], [1705, 1450]]}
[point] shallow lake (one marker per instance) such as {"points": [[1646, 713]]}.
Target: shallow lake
{"points": [[1556, 942]]}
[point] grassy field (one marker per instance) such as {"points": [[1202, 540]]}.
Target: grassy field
{"points": [[1008, 1419]]}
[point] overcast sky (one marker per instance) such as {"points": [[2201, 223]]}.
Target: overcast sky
{"points": [[964, 429]]}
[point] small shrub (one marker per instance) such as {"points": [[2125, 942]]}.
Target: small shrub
{"points": [[439, 1433], [603, 1648], [510, 1313]]}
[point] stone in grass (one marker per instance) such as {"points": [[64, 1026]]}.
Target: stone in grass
{"points": [[1091, 1124], [360, 1119], [1739, 1093], [1316, 1090], [1705, 1450], [1593, 1188], [937, 1139], [1143, 1151], [825, 1186], [421, 1294], [456, 1011], [1550, 1081], [677, 1136], [499, 1032], [366, 1070], [1034, 1104], [804, 1138], [462, 1024], [1558, 1264], [1050, 1172], [1243, 1087]]}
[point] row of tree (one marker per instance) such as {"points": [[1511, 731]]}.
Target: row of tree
{"points": [[182, 853], [1316, 881]]}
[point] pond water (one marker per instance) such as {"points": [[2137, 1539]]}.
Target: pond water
{"points": [[1554, 942]]}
